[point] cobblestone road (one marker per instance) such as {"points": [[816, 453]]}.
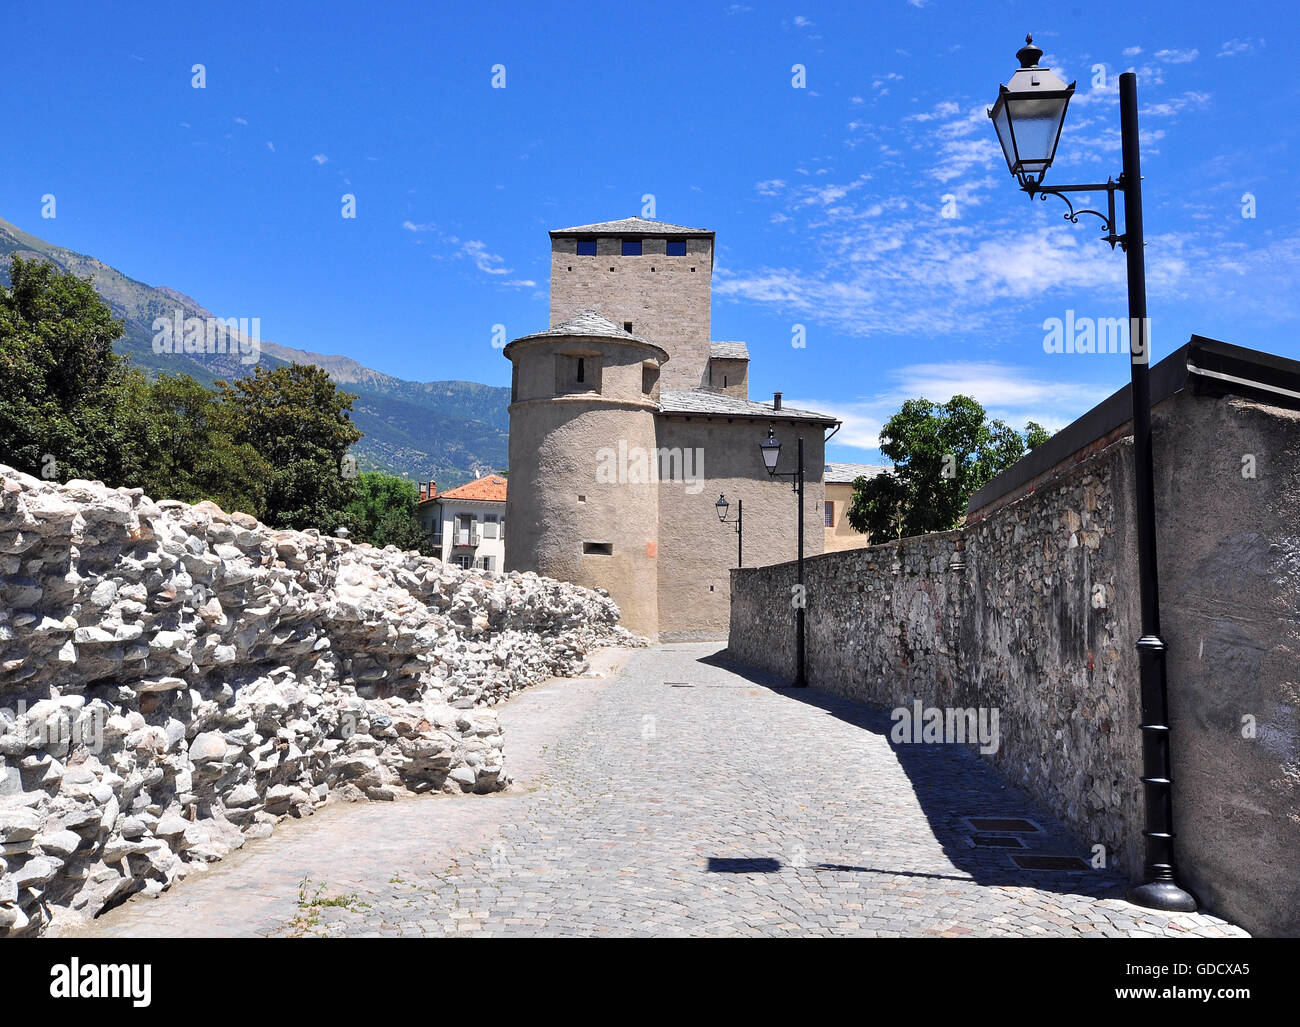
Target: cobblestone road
{"points": [[677, 797]]}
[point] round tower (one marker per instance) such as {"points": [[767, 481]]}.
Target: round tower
{"points": [[582, 505]]}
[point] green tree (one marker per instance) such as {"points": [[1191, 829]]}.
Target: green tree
{"points": [[1036, 435], [194, 448], [384, 512], [63, 391], [297, 420], [942, 455]]}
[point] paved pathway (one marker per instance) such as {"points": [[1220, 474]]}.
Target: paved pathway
{"points": [[677, 797]]}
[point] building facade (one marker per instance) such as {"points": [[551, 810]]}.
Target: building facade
{"points": [[839, 478], [467, 524], [626, 424]]}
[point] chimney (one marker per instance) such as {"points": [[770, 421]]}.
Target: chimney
{"points": [[776, 401], [424, 491], [433, 488]]}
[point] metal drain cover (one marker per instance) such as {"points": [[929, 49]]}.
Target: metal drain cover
{"points": [[996, 841], [1066, 863], [1004, 825]]}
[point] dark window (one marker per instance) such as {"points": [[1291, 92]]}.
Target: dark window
{"points": [[676, 247], [627, 327], [631, 247], [830, 514], [586, 247], [598, 549], [575, 373]]}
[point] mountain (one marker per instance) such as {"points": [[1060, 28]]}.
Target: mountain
{"points": [[451, 431]]}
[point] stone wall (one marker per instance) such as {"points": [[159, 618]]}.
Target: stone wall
{"points": [[174, 680], [1032, 609], [696, 553]]}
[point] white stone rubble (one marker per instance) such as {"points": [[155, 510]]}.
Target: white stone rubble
{"points": [[175, 679]]}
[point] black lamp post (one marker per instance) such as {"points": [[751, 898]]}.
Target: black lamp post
{"points": [[770, 447], [1028, 116], [738, 524]]}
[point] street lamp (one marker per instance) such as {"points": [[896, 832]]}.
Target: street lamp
{"points": [[770, 447], [1028, 116], [739, 524]]}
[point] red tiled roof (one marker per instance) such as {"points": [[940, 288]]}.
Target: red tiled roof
{"points": [[491, 489]]}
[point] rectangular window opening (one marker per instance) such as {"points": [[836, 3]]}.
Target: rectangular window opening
{"points": [[631, 247], [598, 549], [586, 248], [677, 248]]}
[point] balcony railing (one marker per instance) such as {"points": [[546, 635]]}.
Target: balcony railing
{"points": [[465, 538]]}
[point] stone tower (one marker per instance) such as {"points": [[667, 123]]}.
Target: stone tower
{"points": [[649, 278], [584, 395]]}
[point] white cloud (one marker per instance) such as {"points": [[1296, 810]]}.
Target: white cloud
{"points": [[1177, 56], [1014, 394], [1238, 47], [241, 121], [878, 262], [1131, 51], [474, 250], [487, 262], [270, 146], [1176, 105], [320, 158]]}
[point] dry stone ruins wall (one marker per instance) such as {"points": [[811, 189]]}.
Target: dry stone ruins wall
{"points": [[174, 680]]}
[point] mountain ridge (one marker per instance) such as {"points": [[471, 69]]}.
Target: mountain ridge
{"points": [[467, 420]]}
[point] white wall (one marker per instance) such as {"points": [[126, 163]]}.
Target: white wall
{"points": [[450, 513]]}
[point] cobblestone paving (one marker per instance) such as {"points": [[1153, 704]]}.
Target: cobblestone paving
{"points": [[677, 798]]}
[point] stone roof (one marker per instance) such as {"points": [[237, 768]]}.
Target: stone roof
{"points": [[631, 226], [488, 489], [700, 401], [728, 351], [587, 322], [846, 474]]}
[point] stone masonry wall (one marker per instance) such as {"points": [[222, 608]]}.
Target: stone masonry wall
{"points": [[667, 299], [174, 680], [1032, 610]]}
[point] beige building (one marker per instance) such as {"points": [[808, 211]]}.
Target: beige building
{"points": [[626, 424], [839, 479]]}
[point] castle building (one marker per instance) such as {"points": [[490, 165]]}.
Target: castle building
{"points": [[627, 422]]}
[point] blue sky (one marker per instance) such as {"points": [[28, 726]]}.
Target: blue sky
{"points": [[828, 201]]}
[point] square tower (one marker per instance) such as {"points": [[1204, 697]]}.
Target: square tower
{"points": [[650, 278]]}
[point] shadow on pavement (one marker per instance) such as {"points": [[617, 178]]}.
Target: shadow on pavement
{"points": [[952, 783]]}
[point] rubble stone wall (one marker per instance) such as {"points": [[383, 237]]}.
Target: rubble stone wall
{"points": [[1032, 609], [175, 679]]}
